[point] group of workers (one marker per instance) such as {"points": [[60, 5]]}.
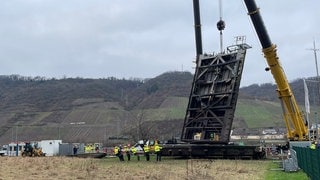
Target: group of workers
{"points": [[120, 152], [90, 148]]}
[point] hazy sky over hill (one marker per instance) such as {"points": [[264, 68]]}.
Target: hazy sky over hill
{"points": [[144, 38]]}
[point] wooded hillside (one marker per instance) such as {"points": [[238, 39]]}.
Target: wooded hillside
{"points": [[97, 110]]}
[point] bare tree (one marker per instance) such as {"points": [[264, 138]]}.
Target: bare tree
{"points": [[140, 128]]}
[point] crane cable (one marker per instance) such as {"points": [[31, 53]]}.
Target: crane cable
{"points": [[221, 25]]}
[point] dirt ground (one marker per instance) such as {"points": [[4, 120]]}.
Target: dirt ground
{"points": [[30, 168]]}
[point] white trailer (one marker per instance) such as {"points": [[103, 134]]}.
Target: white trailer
{"points": [[50, 147]]}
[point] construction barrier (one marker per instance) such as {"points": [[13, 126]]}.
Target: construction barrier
{"points": [[309, 161]]}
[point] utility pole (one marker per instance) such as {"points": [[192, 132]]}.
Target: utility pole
{"points": [[314, 49]]}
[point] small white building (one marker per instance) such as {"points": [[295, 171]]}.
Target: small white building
{"points": [[50, 147]]}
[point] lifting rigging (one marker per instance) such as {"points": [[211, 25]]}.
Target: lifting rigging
{"points": [[221, 25]]}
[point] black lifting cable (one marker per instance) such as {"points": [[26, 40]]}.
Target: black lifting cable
{"points": [[221, 25]]}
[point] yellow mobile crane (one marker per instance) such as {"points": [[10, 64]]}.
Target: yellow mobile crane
{"points": [[297, 128]]}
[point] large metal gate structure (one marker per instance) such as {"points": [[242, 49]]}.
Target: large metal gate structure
{"points": [[213, 96]]}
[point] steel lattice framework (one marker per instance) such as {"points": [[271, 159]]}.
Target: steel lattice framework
{"points": [[213, 96]]}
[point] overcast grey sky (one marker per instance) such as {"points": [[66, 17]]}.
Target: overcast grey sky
{"points": [[145, 38]]}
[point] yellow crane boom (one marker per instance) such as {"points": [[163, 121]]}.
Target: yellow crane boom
{"points": [[294, 120]]}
